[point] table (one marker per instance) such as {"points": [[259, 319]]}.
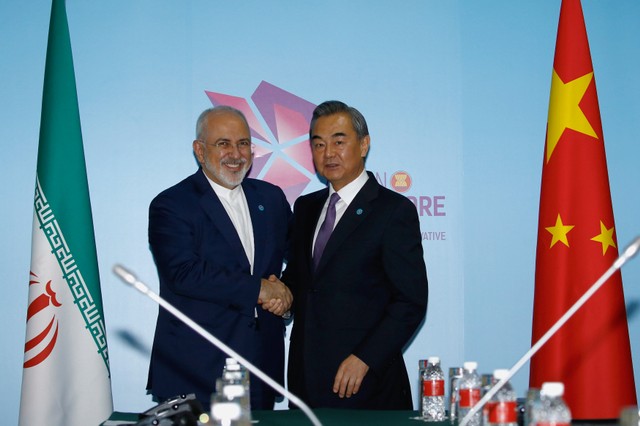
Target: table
{"points": [[336, 417], [328, 417]]}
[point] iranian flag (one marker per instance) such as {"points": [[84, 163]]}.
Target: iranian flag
{"points": [[65, 379]]}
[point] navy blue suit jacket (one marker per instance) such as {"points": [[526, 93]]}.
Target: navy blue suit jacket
{"points": [[204, 272], [367, 298]]}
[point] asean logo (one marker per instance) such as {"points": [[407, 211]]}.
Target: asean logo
{"points": [[42, 321], [401, 181], [282, 154]]}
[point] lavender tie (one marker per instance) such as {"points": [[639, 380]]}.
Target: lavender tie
{"points": [[325, 229]]}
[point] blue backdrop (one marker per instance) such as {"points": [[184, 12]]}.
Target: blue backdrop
{"points": [[456, 96]]}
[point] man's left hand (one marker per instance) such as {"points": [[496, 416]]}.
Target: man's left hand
{"points": [[349, 377]]}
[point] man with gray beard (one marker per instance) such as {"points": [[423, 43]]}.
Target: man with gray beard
{"points": [[218, 240]]}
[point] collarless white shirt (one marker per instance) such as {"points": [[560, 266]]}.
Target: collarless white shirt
{"points": [[347, 194], [235, 204]]}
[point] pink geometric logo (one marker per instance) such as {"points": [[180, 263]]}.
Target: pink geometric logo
{"points": [[282, 152]]}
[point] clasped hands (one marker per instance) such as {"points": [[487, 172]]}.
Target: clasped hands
{"points": [[274, 296]]}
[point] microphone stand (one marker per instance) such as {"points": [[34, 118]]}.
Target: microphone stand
{"points": [[129, 278], [628, 253]]}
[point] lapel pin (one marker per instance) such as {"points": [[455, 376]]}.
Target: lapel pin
{"points": [[359, 212], [260, 207]]}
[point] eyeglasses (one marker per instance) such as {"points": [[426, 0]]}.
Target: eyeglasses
{"points": [[226, 146]]}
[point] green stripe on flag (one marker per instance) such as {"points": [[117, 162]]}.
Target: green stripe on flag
{"points": [[61, 165]]}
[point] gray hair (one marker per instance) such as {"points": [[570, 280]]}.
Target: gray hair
{"points": [[334, 107], [201, 124]]}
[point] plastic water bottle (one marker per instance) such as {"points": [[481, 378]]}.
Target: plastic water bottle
{"points": [[455, 374], [432, 405], [551, 410], [532, 399], [231, 364], [487, 381], [502, 409], [227, 412], [469, 391], [229, 402], [235, 373]]}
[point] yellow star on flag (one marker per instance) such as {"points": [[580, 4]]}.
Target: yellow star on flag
{"points": [[605, 237], [559, 232], [564, 109]]}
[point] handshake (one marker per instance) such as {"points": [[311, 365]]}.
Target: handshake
{"points": [[274, 296]]}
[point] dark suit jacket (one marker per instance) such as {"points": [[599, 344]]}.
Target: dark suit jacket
{"points": [[367, 298], [205, 273]]}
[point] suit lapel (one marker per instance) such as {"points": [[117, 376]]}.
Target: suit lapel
{"points": [[355, 215], [213, 208]]}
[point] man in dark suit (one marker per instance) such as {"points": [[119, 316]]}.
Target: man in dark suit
{"points": [[218, 241], [361, 303]]}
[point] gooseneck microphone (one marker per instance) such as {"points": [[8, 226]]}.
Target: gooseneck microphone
{"points": [[628, 253], [129, 278]]}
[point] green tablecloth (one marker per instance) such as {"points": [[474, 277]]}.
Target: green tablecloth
{"points": [[334, 417], [328, 417]]}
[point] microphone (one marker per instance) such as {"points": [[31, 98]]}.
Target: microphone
{"points": [[129, 278], [628, 253]]}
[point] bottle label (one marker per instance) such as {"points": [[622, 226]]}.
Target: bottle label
{"points": [[433, 387], [503, 412], [486, 409], [469, 397]]}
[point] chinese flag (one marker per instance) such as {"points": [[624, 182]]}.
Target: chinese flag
{"points": [[591, 354]]}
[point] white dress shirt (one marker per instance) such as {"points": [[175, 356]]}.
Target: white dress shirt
{"points": [[235, 204]]}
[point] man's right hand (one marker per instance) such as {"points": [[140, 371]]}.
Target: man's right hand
{"points": [[274, 296]]}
